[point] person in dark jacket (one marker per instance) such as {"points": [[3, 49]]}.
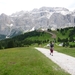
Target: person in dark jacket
{"points": [[51, 48]]}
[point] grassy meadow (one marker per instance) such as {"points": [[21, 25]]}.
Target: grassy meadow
{"points": [[27, 61], [65, 50], [18, 55]]}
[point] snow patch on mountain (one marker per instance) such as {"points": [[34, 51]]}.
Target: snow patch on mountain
{"points": [[49, 15], [32, 29], [64, 12], [9, 25]]}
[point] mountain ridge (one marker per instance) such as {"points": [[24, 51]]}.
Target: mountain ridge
{"points": [[42, 18]]}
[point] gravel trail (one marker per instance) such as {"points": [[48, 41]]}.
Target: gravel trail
{"points": [[66, 62]]}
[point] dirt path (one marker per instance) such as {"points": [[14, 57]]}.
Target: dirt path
{"points": [[53, 35], [64, 61]]}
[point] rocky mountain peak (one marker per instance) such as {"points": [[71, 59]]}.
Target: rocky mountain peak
{"points": [[42, 18]]}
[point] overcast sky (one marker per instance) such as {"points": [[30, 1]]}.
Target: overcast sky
{"points": [[11, 6]]}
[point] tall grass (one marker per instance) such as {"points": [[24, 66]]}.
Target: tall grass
{"points": [[27, 61]]}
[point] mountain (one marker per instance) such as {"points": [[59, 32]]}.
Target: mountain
{"points": [[43, 18]]}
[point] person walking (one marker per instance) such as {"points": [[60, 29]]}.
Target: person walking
{"points": [[51, 48]]}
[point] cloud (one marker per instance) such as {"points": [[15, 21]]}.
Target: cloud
{"points": [[72, 6]]}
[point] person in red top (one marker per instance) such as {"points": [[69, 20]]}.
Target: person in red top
{"points": [[51, 48]]}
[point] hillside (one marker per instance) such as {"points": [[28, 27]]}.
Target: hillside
{"points": [[65, 36], [27, 39], [20, 60]]}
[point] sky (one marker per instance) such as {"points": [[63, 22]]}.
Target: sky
{"points": [[12, 6]]}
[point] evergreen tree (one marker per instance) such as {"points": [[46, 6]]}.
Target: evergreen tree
{"points": [[10, 44]]}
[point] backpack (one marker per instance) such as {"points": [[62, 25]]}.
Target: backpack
{"points": [[51, 45]]}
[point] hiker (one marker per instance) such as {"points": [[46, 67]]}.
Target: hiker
{"points": [[51, 48]]}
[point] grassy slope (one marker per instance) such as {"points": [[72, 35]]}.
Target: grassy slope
{"points": [[27, 61], [42, 37], [66, 50]]}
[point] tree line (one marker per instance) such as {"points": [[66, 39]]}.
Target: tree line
{"points": [[22, 40], [70, 32]]}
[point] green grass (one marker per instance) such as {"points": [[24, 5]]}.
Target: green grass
{"points": [[42, 37], [27, 61], [59, 34], [66, 50]]}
